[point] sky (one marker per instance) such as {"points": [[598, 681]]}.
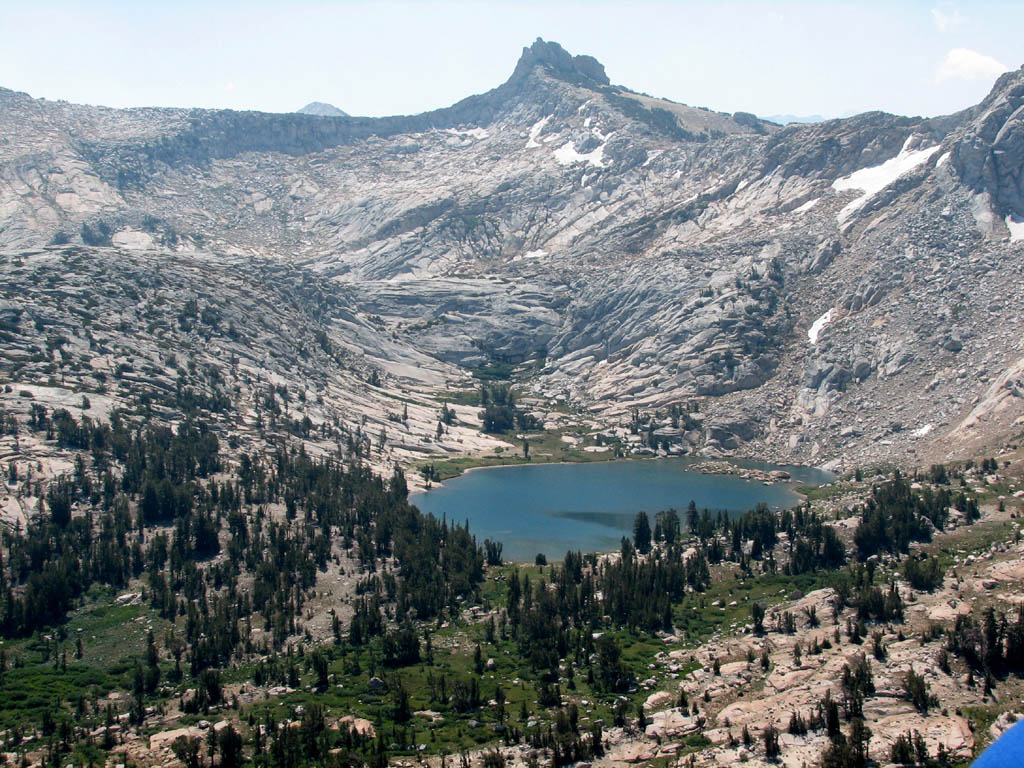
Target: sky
{"points": [[381, 58]]}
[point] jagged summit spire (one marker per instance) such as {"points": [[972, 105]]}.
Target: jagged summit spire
{"points": [[559, 62]]}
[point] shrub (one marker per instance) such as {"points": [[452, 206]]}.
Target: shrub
{"points": [[924, 574]]}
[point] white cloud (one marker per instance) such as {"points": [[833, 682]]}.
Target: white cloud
{"points": [[965, 64], [947, 19]]}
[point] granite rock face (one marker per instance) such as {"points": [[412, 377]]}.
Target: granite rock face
{"points": [[812, 285], [988, 153]]}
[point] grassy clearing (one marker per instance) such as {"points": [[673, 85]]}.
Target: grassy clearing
{"points": [[114, 634], [969, 538], [698, 619], [44, 672], [449, 468], [545, 448], [462, 397], [31, 690], [493, 372]]}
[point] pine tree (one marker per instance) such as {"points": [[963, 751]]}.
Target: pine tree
{"points": [[642, 533]]}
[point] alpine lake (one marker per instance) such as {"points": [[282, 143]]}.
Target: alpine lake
{"points": [[550, 509]]}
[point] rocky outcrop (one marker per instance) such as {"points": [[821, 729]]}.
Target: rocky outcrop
{"points": [[988, 152]]}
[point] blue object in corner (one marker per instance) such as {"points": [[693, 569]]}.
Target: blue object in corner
{"points": [[1006, 752]]}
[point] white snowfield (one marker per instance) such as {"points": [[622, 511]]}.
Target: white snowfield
{"points": [[567, 155], [876, 178], [819, 325]]}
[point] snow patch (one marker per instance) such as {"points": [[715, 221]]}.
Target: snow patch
{"points": [[535, 254], [819, 325], [567, 155], [981, 209], [741, 185], [133, 240], [806, 206], [923, 430], [535, 130], [476, 133], [1016, 229], [873, 180], [943, 159], [653, 154]]}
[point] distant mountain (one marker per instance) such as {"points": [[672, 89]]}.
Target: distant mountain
{"points": [[787, 119], [321, 109]]}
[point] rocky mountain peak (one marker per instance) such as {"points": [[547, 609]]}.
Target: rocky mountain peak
{"points": [[585, 70]]}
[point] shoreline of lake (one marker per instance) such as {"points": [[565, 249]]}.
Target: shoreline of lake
{"points": [[700, 462]]}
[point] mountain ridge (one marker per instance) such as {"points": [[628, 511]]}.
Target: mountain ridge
{"points": [[646, 251]]}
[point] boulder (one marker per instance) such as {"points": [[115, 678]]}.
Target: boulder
{"points": [[165, 739]]}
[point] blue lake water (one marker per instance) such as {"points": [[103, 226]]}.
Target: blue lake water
{"points": [[552, 508]]}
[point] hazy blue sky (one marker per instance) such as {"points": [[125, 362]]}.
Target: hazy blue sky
{"points": [[394, 58]]}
